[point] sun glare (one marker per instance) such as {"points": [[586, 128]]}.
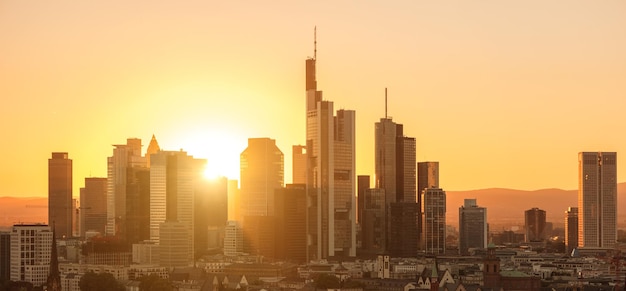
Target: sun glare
{"points": [[221, 150]]}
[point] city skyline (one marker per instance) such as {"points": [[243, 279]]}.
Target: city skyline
{"points": [[505, 86]]}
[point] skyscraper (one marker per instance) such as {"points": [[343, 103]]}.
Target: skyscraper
{"points": [[172, 186], [472, 226], [571, 229], [434, 220], [262, 172], [597, 199], [535, 223], [330, 174], [373, 221], [396, 174], [363, 184], [427, 175], [60, 193], [210, 213], [299, 164], [125, 156], [93, 201], [5, 256], [291, 223]]}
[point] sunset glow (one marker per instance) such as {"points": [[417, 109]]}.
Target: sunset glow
{"points": [[502, 94]]}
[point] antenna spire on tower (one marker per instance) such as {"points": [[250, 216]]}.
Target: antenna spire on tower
{"points": [[385, 102], [315, 42]]}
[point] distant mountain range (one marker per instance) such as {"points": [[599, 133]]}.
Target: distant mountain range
{"points": [[504, 206]]}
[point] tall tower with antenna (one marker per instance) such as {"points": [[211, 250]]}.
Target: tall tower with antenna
{"points": [[396, 173], [330, 182]]}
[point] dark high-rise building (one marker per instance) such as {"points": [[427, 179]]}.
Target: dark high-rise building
{"points": [[259, 234], [472, 226], [290, 213], [434, 220], [262, 172], [404, 239], [373, 222], [363, 184], [299, 164], [5, 256], [427, 175], [136, 228], [210, 213], [535, 223], [571, 229], [60, 193], [597, 199], [331, 185], [93, 209]]}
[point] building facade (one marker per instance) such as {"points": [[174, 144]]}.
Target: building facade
{"points": [[597, 199], [30, 253], [262, 171], [434, 220], [473, 229], [125, 156], [60, 193], [571, 229], [93, 209], [535, 225], [298, 164]]}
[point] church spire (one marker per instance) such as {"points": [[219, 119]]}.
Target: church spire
{"points": [[54, 279]]}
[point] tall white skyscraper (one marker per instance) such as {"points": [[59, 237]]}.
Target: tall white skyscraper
{"points": [[172, 178], [331, 209], [597, 199]]}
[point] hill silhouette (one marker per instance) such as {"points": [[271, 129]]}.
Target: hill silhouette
{"points": [[507, 206], [504, 206]]}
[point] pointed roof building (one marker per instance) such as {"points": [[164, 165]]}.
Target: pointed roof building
{"points": [[153, 148], [54, 278]]}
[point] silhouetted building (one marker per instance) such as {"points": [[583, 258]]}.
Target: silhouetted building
{"points": [[259, 235], [60, 193], [30, 255], [153, 148], [535, 225], [434, 220], [571, 229], [427, 175], [290, 213], [125, 156], [472, 226], [491, 269], [331, 184], [396, 174], [597, 199], [53, 282], [235, 211], [136, 227], [404, 239], [262, 171], [373, 222], [211, 213], [363, 184], [5, 256], [174, 247], [107, 251], [299, 164], [93, 209]]}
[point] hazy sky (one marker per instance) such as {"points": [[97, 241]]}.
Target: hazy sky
{"points": [[501, 93]]}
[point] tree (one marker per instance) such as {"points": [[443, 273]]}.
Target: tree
{"points": [[153, 282], [99, 282]]}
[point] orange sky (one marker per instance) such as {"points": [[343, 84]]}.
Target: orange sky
{"points": [[501, 93]]}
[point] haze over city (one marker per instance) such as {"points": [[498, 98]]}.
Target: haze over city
{"points": [[502, 94]]}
